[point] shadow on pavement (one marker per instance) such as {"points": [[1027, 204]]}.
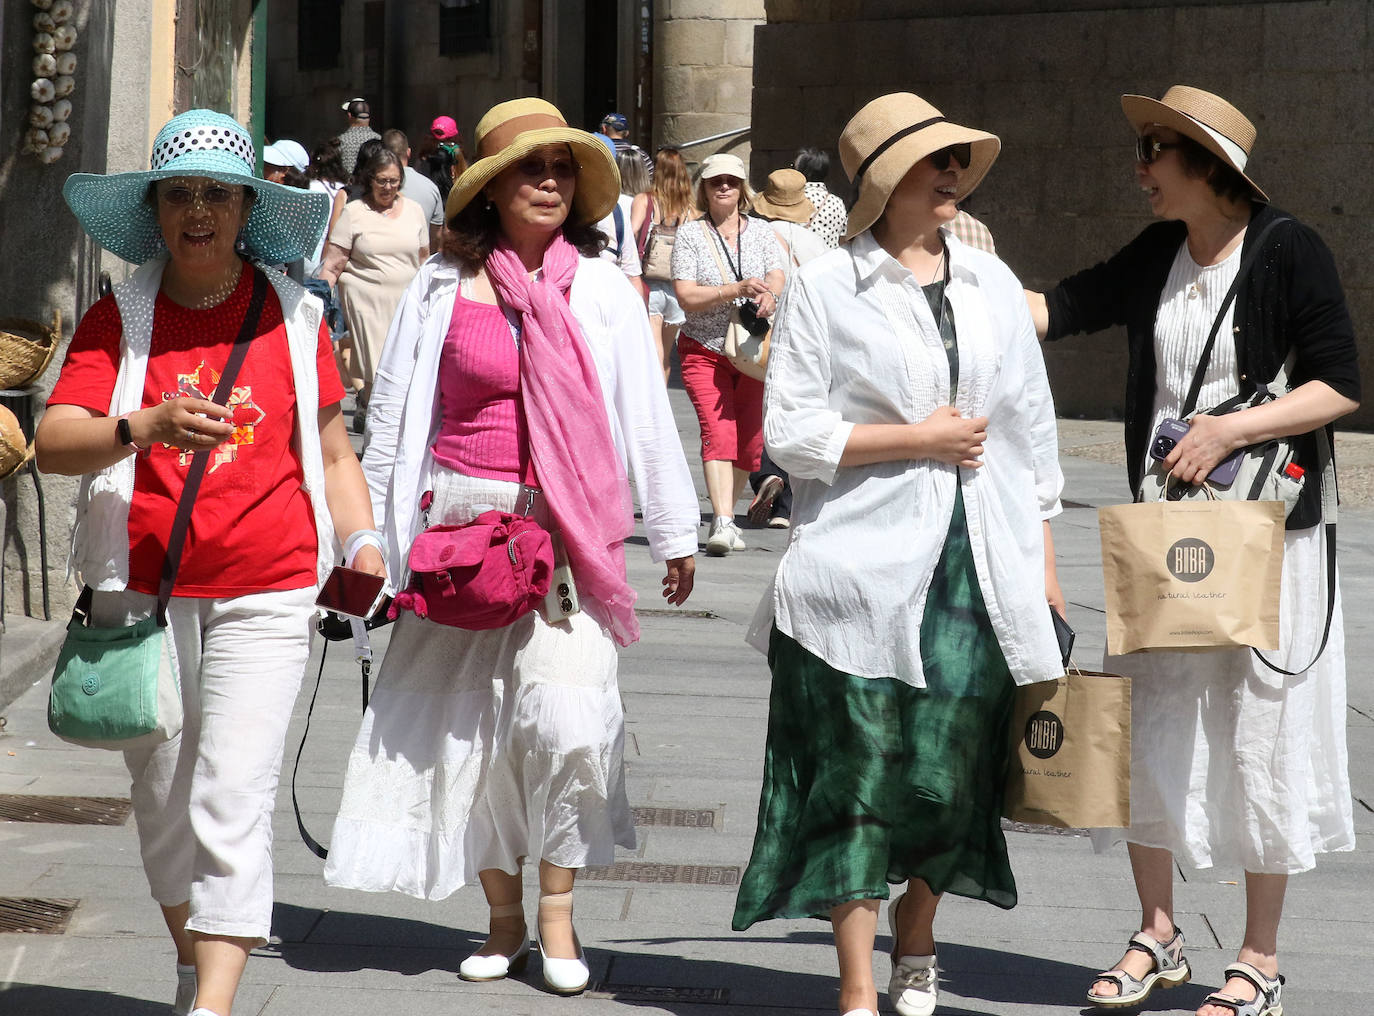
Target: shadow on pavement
{"points": [[46, 1000]]}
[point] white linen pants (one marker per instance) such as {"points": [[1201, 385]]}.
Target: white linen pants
{"points": [[203, 800]]}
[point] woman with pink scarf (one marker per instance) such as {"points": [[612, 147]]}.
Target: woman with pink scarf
{"points": [[519, 374]]}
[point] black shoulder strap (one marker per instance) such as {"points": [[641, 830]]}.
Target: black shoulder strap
{"points": [[1190, 403], [1330, 608]]}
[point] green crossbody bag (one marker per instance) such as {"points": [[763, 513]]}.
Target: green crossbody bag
{"points": [[118, 688]]}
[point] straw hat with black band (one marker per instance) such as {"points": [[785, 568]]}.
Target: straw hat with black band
{"points": [[512, 130], [891, 134], [1208, 119], [785, 198]]}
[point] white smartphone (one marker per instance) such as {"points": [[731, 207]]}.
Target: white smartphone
{"points": [[351, 592]]}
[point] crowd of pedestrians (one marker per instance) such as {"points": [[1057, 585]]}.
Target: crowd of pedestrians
{"points": [[904, 429]]}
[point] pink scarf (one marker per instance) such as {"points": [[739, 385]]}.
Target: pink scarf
{"points": [[574, 458]]}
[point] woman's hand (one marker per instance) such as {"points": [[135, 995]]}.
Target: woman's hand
{"points": [[369, 559], [191, 424], [947, 437], [1209, 440], [677, 584], [756, 289]]}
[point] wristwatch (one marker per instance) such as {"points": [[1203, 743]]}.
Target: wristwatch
{"points": [[125, 435]]}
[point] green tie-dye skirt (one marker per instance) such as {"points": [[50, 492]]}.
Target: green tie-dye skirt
{"points": [[869, 782]]}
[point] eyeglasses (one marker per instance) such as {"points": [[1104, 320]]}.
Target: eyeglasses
{"points": [[541, 169], [215, 195], [961, 153], [725, 182], [1148, 147], [378, 181]]}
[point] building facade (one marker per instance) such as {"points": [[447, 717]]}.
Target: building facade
{"points": [[1046, 76]]}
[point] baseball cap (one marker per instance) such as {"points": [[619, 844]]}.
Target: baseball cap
{"points": [[362, 114], [444, 128], [285, 152], [615, 121]]}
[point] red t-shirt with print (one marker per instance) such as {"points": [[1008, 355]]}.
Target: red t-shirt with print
{"points": [[252, 528]]}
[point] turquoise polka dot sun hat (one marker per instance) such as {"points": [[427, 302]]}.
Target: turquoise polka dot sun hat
{"points": [[284, 225]]}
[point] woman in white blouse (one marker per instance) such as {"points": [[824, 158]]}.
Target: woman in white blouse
{"points": [[907, 398]]}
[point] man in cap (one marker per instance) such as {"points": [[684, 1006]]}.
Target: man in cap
{"points": [[359, 130], [445, 132], [616, 127]]}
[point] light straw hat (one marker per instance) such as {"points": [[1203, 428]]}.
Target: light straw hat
{"points": [[1208, 119], [890, 135], [785, 198], [285, 224], [512, 130]]}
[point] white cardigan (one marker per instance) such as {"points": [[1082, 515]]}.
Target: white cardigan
{"points": [[100, 539], [403, 414]]}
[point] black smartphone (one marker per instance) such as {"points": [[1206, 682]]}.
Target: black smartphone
{"points": [[1063, 633], [351, 592]]}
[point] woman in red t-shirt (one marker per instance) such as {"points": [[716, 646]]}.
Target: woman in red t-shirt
{"points": [[129, 412]]}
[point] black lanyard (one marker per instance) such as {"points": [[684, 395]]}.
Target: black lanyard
{"points": [[738, 256]]}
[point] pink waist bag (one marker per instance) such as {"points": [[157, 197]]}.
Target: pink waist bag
{"points": [[482, 575]]}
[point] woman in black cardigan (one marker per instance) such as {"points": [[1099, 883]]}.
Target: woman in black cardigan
{"points": [[1232, 761]]}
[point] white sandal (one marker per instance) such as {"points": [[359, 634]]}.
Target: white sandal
{"points": [[1170, 970]]}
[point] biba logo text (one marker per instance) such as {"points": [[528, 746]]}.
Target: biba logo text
{"points": [[1190, 560], [1044, 734]]}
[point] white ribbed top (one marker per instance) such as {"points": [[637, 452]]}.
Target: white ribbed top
{"points": [[1187, 307]]}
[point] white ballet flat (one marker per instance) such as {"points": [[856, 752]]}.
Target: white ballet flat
{"points": [[915, 984], [495, 966], [563, 976]]}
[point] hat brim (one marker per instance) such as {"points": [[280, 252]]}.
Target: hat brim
{"points": [[801, 212], [888, 169], [285, 224], [1142, 111], [598, 179]]}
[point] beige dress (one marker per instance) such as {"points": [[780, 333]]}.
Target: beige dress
{"points": [[384, 255]]}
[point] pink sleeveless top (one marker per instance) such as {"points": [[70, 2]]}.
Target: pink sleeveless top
{"points": [[481, 430]]}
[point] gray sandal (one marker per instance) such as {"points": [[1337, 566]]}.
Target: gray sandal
{"points": [[1170, 970], [1268, 1000]]}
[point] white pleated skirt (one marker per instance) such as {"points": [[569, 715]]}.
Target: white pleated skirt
{"points": [[479, 749], [1234, 764]]}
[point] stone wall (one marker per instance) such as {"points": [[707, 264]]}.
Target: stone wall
{"points": [[1047, 76], [704, 73]]}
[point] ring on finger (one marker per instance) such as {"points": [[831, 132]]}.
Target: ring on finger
{"points": [[190, 434]]}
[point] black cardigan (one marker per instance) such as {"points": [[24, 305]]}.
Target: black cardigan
{"points": [[1292, 297]]}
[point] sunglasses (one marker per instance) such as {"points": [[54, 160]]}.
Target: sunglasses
{"points": [[961, 153], [541, 169], [1148, 147], [214, 195]]}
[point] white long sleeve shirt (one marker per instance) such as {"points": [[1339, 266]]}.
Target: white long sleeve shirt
{"points": [[403, 414], [855, 343]]}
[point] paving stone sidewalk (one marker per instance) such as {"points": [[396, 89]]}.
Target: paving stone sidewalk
{"points": [[657, 924]]}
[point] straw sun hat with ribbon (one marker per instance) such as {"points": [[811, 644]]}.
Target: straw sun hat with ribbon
{"points": [[785, 198], [512, 130], [890, 135], [1208, 119], [284, 225]]}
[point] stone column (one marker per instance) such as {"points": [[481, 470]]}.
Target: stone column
{"points": [[704, 71]]}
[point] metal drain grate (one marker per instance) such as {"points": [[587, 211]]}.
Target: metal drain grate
{"points": [[34, 916], [64, 810], [686, 818], [660, 994], [678, 874]]}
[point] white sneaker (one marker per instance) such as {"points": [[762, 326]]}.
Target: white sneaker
{"points": [[724, 537], [186, 990], [915, 983]]}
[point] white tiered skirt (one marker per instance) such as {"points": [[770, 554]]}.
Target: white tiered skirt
{"points": [[478, 749]]}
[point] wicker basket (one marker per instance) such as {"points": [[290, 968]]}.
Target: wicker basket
{"points": [[14, 450], [26, 349]]}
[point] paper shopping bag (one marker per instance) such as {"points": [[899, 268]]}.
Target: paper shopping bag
{"points": [[1071, 753], [1192, 574]]}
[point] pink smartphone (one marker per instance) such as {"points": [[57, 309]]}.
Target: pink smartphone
{"points": [[351, 592]]}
